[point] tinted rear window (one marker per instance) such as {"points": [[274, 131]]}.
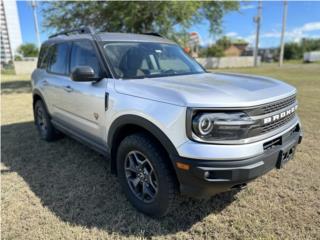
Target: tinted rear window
{"points": [[43, 57]]}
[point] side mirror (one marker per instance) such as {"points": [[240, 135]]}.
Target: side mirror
{"points": [[83, 74]]}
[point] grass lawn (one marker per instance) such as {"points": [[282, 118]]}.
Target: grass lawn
{"points": [[64, 190]]}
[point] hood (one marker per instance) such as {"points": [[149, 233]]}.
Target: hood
{"points": [[208, 89]]}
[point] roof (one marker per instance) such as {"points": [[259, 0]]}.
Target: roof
{"points": [[125, 37], [113, 37]]}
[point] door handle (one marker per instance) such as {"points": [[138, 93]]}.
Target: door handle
{"points": [[68, 89], [45, 83]]}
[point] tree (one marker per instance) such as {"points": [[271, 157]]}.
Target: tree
{"points": [[17, 58], [292, 50], [138, 17], [224, 42], [28, 50], [310, 44], [182, 38], [217, 50]]}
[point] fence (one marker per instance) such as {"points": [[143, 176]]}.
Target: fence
{"points": [[25, 67], [227, 62]]}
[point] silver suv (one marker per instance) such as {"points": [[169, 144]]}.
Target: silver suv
{"points": [[168, 126]]}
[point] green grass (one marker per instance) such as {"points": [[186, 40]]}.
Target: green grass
{"points": [[13, 77], [63, 190], [9, 71]]}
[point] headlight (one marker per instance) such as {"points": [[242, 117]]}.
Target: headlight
{"points": [[219, 126], [204, 124]]}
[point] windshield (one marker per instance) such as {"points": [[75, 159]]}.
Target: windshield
{"points": [[146, 60]]}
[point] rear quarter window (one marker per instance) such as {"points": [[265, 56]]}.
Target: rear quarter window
{"points": [[43, 57]]}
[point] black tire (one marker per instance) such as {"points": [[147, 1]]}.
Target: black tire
{"points": [[166, 195], [43, 123]]}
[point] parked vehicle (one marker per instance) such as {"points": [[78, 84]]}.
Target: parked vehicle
{"points": [[168, 126], [311, 56]]}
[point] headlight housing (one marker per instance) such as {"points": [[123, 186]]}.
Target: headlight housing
{"points": [[218, 126]]}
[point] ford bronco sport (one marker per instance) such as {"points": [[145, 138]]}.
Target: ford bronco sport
{"points": [[168, 126]]}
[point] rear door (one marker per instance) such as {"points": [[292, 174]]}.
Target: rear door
{"points": [[57, 78]]}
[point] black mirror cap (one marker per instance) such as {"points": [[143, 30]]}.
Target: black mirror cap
{"points": [[84, 74]]}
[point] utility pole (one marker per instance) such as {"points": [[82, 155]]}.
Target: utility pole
{"points": [[284, 21], [257, 20], [35, 18]]}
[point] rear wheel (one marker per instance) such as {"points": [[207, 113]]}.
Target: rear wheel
{"points": [[145, 175], [42, 120]]}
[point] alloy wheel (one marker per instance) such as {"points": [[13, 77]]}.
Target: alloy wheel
{"points": [[41, 121], [141, 176]]}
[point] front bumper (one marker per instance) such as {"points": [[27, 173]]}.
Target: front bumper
{"points": [[208, 177]]}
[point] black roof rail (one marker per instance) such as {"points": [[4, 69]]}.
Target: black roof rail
{"points": [[83, 30], [153, 34]]}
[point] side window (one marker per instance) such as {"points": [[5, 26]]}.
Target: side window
{"points": [[84, 54], [43, 57], [59, 58]]}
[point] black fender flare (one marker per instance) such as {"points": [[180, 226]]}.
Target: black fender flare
{"points": [[145, 124], [35, 93]]}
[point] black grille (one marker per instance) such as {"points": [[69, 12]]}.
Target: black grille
{"points": [[272, 107], [275, 106], [261, 128], [274, 125]]}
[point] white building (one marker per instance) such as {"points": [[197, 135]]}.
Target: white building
{"points": [[11, 37]]}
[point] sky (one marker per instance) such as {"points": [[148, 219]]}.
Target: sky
{"points": [[303, 21]]}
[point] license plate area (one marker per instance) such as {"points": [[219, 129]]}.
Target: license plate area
{"points": [[285, 156]]}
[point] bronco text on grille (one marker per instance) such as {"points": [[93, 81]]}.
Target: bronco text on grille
{"points": [[283, 111]]}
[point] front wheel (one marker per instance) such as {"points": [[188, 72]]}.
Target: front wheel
{"points": [[145, 175]]}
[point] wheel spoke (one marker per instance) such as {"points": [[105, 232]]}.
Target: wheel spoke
{"points": [[134, 181], [44, 123], [146, 191], [145, 171], [152, 184], [138, 160], [132, 169], [39, 118], [132, 166]]}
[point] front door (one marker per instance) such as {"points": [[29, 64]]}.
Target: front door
{"points": [[85, 107]]}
